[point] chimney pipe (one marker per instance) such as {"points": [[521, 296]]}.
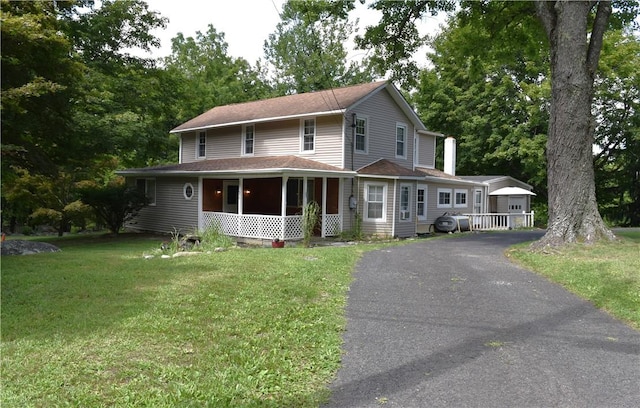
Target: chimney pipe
{"points": [[450, 156]]}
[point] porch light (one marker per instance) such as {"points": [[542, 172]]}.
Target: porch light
{"points": [[247, 192], [218, 191]]}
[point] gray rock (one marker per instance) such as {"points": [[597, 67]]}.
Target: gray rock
{"points": [[22, 247]]}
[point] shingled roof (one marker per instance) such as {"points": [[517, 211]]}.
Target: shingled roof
{"points": [[242, 164], [386, 168], [291, 106]]}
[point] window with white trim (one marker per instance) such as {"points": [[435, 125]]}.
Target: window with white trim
{"points": [[444, 198], [405, 202], [375, 198], [148, 187], [421, 202], [202, 144], [308, 135], [248, 138], [361, 135], [460, 198], [401, 140]]}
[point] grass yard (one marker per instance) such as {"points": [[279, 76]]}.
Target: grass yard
{"points": [[607, 274], [99, 325]]}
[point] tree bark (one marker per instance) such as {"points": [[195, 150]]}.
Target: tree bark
{"points": [[573, 209]]}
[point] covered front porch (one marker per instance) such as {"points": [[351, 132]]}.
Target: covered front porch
{"points": [[268, 208]]}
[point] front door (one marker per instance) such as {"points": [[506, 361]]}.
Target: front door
{"points": [[230, 198]]}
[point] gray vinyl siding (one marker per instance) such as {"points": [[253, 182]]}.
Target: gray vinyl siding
{"points": [[383, 114], [434, 212], [425, 156], [172, 210], [271, 139], [188, 147]]}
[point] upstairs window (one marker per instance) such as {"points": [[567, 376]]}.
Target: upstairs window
{"points": [[248, 140], [202, 144], [308, 135], [401, 140], [361, 135]]}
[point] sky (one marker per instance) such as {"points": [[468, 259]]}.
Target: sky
{"points": [[246, 24]]}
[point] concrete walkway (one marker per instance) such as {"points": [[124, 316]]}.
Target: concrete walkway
{"points": [[452, 323]]}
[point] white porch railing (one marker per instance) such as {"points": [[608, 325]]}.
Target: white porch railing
{"points": [[501, 221], [266, 226]]}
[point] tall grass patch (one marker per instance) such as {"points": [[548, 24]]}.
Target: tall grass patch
{"points": [[99, 325], [607, 274]]}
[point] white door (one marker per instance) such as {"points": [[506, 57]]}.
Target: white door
{"points": [[230, 196]]}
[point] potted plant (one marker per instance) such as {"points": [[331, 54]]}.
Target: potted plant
{"points": [[276, 243]]}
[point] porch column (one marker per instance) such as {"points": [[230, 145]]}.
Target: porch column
{"points": [[324, 208], [283, 207], [305, 192], [240, 195]]}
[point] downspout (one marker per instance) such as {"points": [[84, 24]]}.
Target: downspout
{"points": [[393, 217], [352, 199]]}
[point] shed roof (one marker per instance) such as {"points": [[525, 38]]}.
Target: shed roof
{"points": [[238, 165]]}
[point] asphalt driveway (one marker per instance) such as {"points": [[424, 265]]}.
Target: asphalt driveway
{"points": [[452, 323]]}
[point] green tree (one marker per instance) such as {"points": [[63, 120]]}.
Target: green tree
{"points": [[114, 202], [617, 110], [307, 50], [206, 76], [38, 80]]}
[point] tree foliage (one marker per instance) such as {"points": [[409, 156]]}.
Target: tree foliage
{"points": [[307, 50]]}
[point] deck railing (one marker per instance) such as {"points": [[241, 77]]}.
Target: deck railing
{"points": [[261, 226], [501, 221]]}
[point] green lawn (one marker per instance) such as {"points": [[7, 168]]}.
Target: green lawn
{"points": [[607, 274], [99, 325]]}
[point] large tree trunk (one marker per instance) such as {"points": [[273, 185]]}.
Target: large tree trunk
{"points": [[573, 210]]}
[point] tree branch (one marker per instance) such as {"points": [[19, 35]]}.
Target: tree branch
{"points": [[597, 33], [546, 15]]}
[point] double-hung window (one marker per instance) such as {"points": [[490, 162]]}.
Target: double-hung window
{"points": [[444, 198], [308, 135], [401, 140], [375, 201], [405, 202], [361, 135], [460, 198], [248, 139], [202, 144], [148, 187], [421, 202]]}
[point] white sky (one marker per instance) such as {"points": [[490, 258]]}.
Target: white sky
{"points": [[246, 24]]}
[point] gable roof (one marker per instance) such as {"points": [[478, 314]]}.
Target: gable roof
{"points": [[331, 101], [386, 169], [495, 179], [252, 165]]}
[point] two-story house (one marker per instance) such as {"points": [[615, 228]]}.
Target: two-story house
{"points": [[359, 151]]}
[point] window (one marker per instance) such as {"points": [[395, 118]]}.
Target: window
{"points": [[247, 140], [148, 186], [421, 202], [187, 191], [361, 135], [405, 202], [461, 198], [202, 144], [375, 198], [308, 135], [401, 140], [444, 198]]}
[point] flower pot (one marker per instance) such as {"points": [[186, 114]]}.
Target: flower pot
{"points": [[277, 244]]}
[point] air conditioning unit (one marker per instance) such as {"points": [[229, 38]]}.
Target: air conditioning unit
{"points": [[404, 215]]}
